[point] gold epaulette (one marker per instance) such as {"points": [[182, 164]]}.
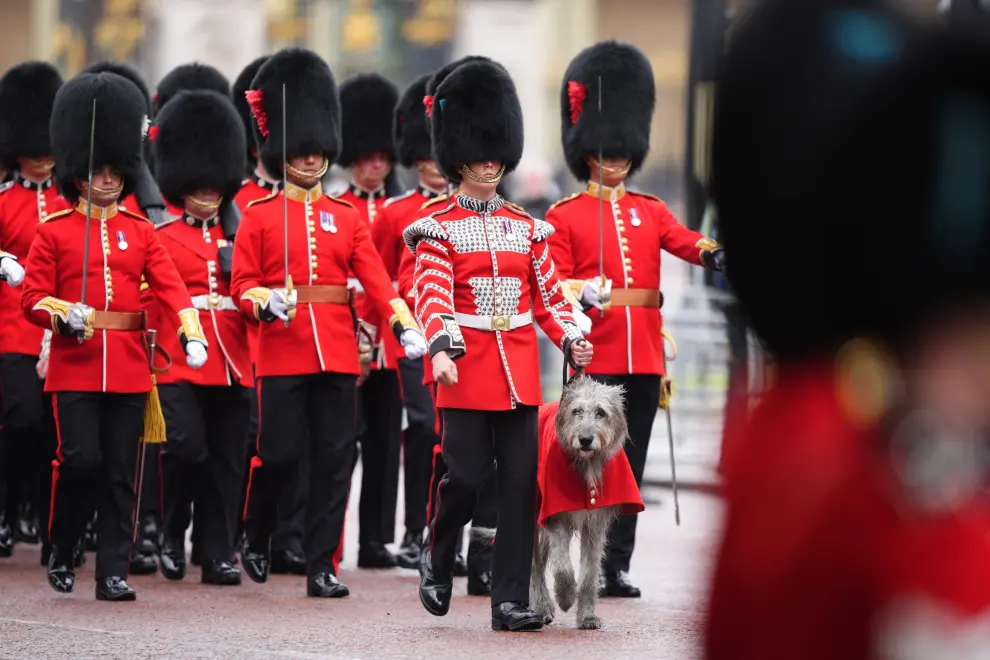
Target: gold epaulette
{"points": [[340, 201], [436, 200], [565, 200], [263, 199], [643, 194], [515, 207], [58, 214], [132, 214]]}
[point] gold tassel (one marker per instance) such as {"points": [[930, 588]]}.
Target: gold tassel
{"points": [[154, 420]]}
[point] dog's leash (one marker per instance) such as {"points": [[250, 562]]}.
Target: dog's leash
{"points": [[568, 365]]}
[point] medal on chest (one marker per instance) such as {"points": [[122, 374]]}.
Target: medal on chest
{"points": [[507, 228], [327, 222], [121, 240], [634, 214]]}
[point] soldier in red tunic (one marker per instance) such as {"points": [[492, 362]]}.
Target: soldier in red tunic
{"points": [[307, 354], [627, 323], [27, 92], [199, 162], [367, 102], [99, 368], [856, 513], [483, 272]]}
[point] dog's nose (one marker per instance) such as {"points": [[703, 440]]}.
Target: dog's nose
{"points": [[586, 441]]}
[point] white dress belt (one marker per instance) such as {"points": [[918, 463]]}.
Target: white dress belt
{"points": [[492, 323], [222, 303], [355, 285]]}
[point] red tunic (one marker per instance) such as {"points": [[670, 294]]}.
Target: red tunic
{"points": [[322, 249], [23, 205], [112, 360], [193, 249], [562, 489], [637, 227], [254, 188], [369, 206], [828, 553], [488, 263], [397, 213]]}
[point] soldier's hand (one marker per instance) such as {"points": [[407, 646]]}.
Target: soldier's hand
{"points": [[280, 303], [444, 369], [594, 295], [414, 344], [79, 316], [581, 352], [11, 271], [195, 354], [42, 368]]}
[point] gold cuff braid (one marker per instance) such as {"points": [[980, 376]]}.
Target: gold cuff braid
{"points": [[402, 315], [260, 296], [190, 327], [568, 291]]}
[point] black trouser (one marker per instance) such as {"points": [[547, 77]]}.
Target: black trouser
{"points": [[202, 463], [642, 401], [318, 410], [418, 442], [98, 447], [25, 451], [381, 409], [473, 440]]}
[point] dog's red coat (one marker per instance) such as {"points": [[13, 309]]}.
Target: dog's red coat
{"points": [[562, 489]]}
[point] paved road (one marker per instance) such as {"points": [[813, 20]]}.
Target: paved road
{"points": [[381, 619]]}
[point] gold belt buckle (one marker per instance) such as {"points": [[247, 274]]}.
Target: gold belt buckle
{"points": [[500, 322]]}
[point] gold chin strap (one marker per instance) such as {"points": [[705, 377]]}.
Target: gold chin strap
{"points": [[307, 175], [483, 179], [614, 170], [205, 205], [107, 192], [428, 167]]}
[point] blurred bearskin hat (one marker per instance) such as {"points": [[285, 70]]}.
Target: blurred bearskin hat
{"points": [[27, 92], [787, 87], [120, 117], [128, 72], [621, 129], [903, 234], [441, 74], [367, 105], [199, 145], [312, 113], [187, 77], [476, 117], [241, 85], [410, 129]]}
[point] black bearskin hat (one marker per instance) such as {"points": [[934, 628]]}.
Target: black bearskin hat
{"points": [[129, 72], [410, 129], [787, 87], [119, 130], [313, 112], [187, 77], [476, 117], [27, 92], [199, 144], [367, 105], [628, 95], [441, 74], [241, 85], [903, 235]]}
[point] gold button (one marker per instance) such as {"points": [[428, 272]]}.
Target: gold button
{"points": [[629, 280], [592, 501], [109, 299], [625, 241], [106, 251], [107, 269], [628, 260], [592, 491], [622, 229], [314, 277], [625, 248]]}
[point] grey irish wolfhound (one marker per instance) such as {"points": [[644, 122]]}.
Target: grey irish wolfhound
{"points": [[591, 429]]}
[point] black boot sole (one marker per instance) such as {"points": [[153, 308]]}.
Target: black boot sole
{"points": [[526, 625], [116, 598], [221, 582]]}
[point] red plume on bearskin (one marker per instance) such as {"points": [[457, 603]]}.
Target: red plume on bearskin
{"points": [[428, 104], [576, 94], [256, 101], [152, 133]]}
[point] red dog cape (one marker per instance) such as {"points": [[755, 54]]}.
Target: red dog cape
{"points": [[562, 489]]}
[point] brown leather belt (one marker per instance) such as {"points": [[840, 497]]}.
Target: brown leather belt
{"points": [[650, 298], [124, 321], [333, 294]]}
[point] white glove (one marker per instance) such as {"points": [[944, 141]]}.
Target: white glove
{"points": [[583, 320], [77, 316], [195, 354], [280, 303], [11, 271], [414, 343], [593, 295]]}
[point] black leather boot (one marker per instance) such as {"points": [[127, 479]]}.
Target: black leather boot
{"points": [[61, 572], [149, 537], [6, 537], [256, 559], [326, 585], [173, 559], [515, 617], [27, 526], [287, 562], [114, 589], [142, 564], [479, 562], [434, 589], [375, 555], [616, 584], [222, 573], [410, 550]]}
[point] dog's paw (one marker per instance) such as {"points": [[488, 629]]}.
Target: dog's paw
{"points": [[591, 623], [545, 610], [566, 591]]}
